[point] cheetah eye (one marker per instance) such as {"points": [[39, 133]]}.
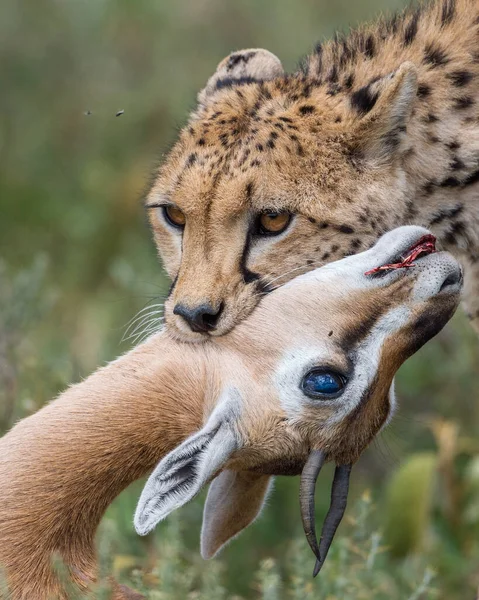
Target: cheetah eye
{"points": [[174, 216], [272, 223]]}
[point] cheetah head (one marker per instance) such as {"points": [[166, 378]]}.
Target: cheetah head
{"points": [[274, 175]]}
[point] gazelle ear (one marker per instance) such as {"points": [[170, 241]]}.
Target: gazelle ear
{"points": [[181, 474], [243, 66], [384, 108], [234, 501]]}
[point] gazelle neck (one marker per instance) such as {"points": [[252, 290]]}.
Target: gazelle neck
{"points": [[63, 466]]}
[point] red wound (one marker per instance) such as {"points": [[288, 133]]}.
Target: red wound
{"points": [[426, 245]]}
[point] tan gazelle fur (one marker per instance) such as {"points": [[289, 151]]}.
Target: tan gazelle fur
{"points": [[232, 410], [380, 128]]}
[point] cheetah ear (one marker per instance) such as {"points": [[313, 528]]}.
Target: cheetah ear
{"points": [[243, 66], [384, 108]]}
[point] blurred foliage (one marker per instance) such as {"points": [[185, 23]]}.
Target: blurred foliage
{"points": [[77, 263], [358, 567], [409, 496]]}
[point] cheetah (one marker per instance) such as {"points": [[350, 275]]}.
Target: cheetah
{"points": [[276, 174]]}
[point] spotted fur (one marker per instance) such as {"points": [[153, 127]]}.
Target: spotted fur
{"points": [[377, 129]]}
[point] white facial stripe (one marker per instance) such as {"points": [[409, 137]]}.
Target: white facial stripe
{"points": [[292, 368], [368, 355], [297, 362], [392, 404]]}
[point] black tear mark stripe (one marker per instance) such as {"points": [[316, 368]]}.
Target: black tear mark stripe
{"points": [[248, 276], [172, 286]]}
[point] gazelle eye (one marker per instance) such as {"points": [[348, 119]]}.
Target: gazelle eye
{"points": [[174, 216], [272, 223], [323, 384]]}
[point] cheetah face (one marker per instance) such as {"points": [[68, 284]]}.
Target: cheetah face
{"points": [[270, 179]]}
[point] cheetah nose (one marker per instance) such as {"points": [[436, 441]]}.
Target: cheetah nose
{"points": [[202, 318]]}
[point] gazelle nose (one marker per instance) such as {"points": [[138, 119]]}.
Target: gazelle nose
{"points": [[202, 318]]}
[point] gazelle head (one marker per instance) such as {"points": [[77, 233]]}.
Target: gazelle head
{"points": [[307, 378]]}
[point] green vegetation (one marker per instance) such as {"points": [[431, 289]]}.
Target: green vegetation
{"points": [[77, 263]]}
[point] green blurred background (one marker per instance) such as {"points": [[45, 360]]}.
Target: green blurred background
{"points": [[77, 262]]}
